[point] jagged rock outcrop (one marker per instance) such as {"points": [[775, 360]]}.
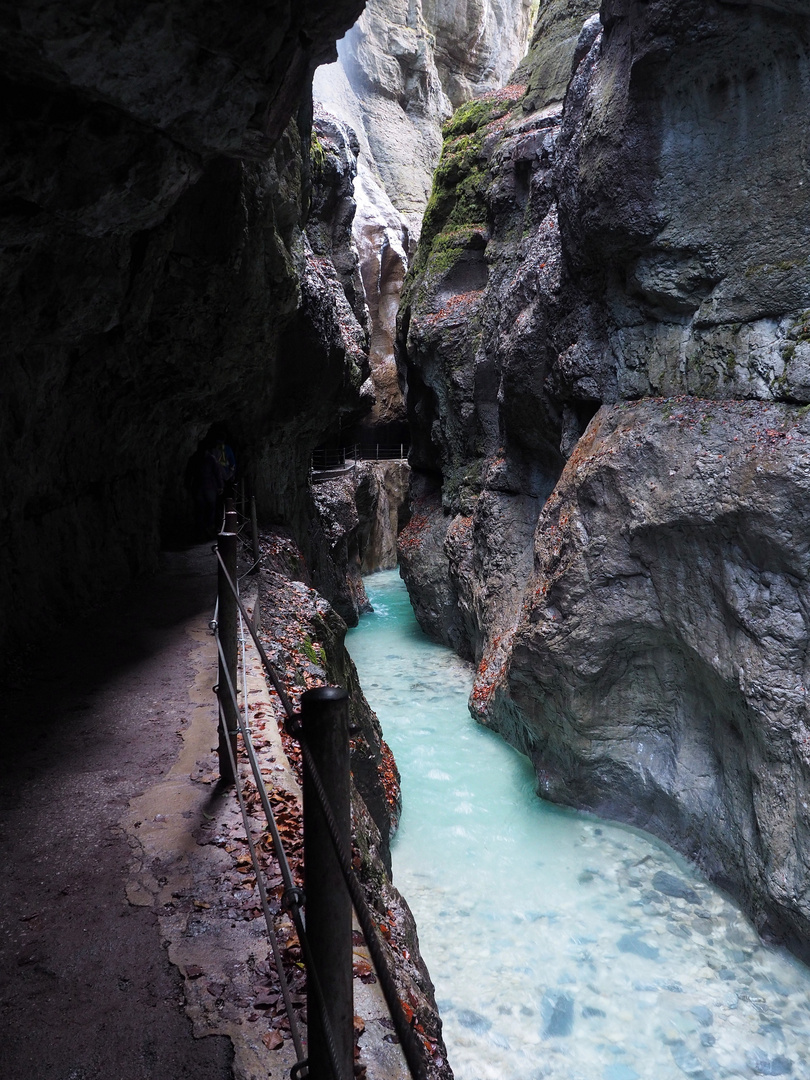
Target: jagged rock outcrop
{"points": [[659, 670], [360, 512], [156, 279], [402, 68], [481, 324], [640, 235]]}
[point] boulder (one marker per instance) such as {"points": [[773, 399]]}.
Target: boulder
{"points": [[658, 672]]}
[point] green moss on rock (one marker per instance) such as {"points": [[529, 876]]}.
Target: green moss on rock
{"points": [[458, 201]]}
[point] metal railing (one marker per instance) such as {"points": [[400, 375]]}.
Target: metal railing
{"points": [[346, 456], [322, 729]]}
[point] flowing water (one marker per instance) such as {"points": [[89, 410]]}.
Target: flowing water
{"points": [[560, 946]]}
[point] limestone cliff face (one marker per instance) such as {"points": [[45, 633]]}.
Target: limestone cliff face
{"points": [[156, 278], [683, 202], [641, 235], [402, 68]]}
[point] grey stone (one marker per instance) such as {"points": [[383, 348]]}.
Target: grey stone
{"points": [[672, 886], [703, 1015], [557, 1009], [765, 1065], [632, 943], [688, 1063], [473, 1020]]}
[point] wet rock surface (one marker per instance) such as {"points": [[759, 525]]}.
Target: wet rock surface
{"points": [[360, 511]]}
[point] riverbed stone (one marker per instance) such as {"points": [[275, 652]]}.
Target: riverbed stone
{"points": [[688, 1063], [632, 943], [703, 1015], [671, 885], [764, 1064], [557, 1008], [473, 1020]]}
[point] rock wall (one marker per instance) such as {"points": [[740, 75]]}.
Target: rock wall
{"points": [[360, 512], [401, 70], [641, 632], [156, 279]]}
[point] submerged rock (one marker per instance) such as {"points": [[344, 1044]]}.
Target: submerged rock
{"points": [[557, 1008], [632, 943], [672, 886], [765, 1065]]}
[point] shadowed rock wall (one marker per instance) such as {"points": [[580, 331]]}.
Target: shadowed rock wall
{"points": [[155, 277], [642, 632]]}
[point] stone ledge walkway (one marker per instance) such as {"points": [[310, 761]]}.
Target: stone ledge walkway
{"points": [[87, 988], [131, 942]]}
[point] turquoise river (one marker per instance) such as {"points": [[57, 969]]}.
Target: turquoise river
{"points": [[561, 947]]}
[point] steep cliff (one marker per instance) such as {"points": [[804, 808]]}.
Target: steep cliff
{"points": [[641, 633], [401, 70], [156, 279]]}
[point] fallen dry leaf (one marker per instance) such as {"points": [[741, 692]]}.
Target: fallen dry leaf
{"points": [[273, 1040]]}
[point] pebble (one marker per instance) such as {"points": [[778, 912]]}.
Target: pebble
{"points": [[558, 1012], [632, 943], [763, 1065]]}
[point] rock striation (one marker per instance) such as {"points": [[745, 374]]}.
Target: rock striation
{"points": [[658, 673], [626, 222]]}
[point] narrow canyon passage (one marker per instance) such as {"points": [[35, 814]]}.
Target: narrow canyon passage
{"points": [[561, 946]]}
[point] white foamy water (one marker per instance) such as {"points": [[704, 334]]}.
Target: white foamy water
{"points": [[561, 947]]}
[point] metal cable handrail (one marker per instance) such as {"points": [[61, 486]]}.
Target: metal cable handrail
{"points": [[411, 1048], [293, 896]]}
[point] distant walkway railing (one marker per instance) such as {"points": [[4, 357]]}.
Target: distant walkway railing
{"points": [[322, 729], [345, 457]]}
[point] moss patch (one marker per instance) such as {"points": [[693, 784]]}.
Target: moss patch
{"points": [[457, 213]]}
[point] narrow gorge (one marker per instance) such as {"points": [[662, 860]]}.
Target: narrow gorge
{"points": [[514, 295], [605, 332]]}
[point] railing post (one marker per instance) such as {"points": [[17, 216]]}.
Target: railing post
{"points": [[226, 631], [254, 535], [231, 517], [325, 724]]}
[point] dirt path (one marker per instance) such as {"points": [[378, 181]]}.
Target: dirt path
{"points": [[87, 991]]}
